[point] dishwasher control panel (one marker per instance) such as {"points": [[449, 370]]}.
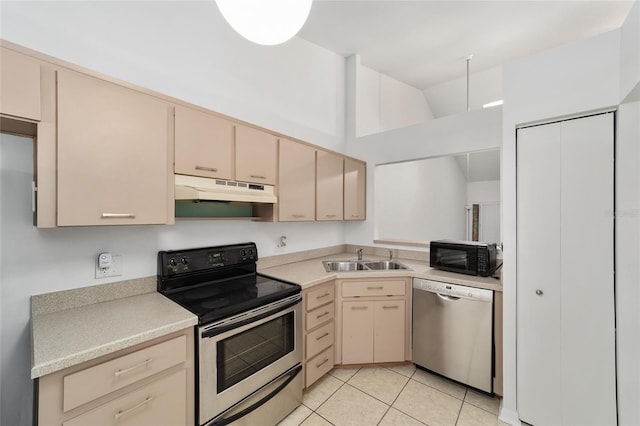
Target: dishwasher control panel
{"points": [[453, 290]]}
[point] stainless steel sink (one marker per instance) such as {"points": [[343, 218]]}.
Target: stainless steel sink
{"points": [[361, 265]]}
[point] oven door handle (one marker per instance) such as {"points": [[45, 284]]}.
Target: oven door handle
{"points": [[239, 322], [221, 421]]}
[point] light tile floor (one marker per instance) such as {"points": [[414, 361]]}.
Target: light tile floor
{"points": [[392, 395]]}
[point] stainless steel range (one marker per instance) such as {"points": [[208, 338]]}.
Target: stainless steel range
{"points": [[249, 333]]}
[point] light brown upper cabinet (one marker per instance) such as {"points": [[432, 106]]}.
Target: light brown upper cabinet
{"points": [[296, 182], [329, 186], [203, 144], [355, 175], [115, 154], [256, 156], [20, 85]]}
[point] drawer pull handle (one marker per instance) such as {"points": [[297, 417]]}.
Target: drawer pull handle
{"points": [[207, 169], [390, 307], [118, 216], [297, 216], [322, 363], [359, 308], [324, 295], [258, 177], [375, 288], [123, 413], [355, 215], [330, 215], [323, 336], [323, 315], [135, 367]]}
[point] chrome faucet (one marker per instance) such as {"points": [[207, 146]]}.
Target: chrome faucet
{"points": [[359, 253], [390, 254]]}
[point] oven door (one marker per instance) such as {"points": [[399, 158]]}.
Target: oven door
{"points": [[240, 355]]}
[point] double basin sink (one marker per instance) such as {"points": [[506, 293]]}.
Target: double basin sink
{"points": [[361, 265]]}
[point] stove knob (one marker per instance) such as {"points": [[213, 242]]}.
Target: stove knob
{"points": [[243, 253], [172, 261], [184, 260]]}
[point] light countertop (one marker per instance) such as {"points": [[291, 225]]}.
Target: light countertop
{"points": [[69, 337], [309, 273]]}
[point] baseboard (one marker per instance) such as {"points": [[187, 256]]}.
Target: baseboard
{"points": [[509, 416]]}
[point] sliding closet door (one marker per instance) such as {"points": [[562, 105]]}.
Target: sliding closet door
{"points": [[566, 336]]}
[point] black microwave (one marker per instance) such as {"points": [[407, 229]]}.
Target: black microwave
{"points": [[465, 257]]}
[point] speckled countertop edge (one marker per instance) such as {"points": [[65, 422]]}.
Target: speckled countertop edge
{"points": [[311, 272], [69, 337]]}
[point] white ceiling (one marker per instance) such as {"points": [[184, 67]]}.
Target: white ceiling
{"points": [[423, 43]]}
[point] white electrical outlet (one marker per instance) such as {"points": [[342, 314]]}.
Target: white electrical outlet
{"points": [[108, 265]]}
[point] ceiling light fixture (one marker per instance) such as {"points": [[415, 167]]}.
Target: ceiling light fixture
{"points": [[492, 104], [266, 22]]}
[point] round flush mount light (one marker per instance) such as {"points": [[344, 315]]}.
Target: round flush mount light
{"points": [[266, 22]]}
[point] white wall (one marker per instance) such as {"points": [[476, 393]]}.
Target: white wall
{"points": [[383, 103], [630, 53], [574, 78], [182, 49], [486, 190], [420, 200]]}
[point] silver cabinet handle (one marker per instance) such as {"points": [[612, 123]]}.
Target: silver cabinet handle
{"points": [[539, 292], [355, 215], [297, 216], [135, 367], [207, 169], [359, 308], [323, 336], [330, 215], [322, 363], [375, 288], [390, 307], [123, 413], [323, 315], [324, 295], [118, 216], [258, 176]]}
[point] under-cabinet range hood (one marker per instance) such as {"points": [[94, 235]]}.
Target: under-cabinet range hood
{"points": [[210, 189]]}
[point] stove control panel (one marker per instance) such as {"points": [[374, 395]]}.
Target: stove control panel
{"points": [[204, 259]]}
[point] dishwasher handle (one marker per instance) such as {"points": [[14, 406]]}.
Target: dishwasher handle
{"points": [[447, 297]]}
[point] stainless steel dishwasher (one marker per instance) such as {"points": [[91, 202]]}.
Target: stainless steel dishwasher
{"points": [[453, 331]]}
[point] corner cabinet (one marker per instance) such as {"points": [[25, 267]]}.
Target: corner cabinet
{"points": [[296, 182], [150, 384], [319, 327], [373, 322], [203, 144], [114, 156], [355, 186]]}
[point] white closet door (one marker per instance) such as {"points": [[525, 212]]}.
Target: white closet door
{"points": [[587, 307], [566, 335], [538, 214]]}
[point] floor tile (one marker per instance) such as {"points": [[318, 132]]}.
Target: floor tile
{"points": [[398, 418], [344, 373], [297, 416], [321, 391], [405, 370], [380, 383], [445, 385], [315, 420], [349, 406], [480, 400], [471, 415], [428, 405]]}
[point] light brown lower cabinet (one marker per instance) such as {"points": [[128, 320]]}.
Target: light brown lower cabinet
{"points": [[149, 384], [319, 328]]}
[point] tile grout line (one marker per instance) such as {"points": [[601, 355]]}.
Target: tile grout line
{"points": [[461, 405]]}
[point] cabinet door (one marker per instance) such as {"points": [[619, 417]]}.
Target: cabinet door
{"points": [[19, 85], [389, 326], [329, 186], [203, 144], [256, 156], [114, 155], [354, 189], [296, 182], [357, 332]]}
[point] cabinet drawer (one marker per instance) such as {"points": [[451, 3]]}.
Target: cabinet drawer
{"points": [[319, 297], [320, 315], [159, 403], [319, 366], [373, 288], [94, 382], [319, 339]]}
